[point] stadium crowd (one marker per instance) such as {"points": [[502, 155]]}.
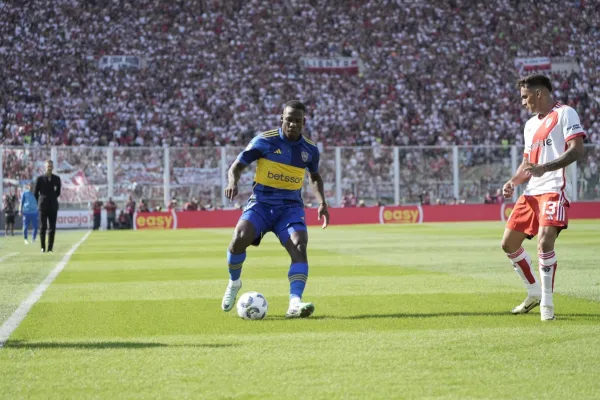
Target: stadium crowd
{"points": [[215, 73]]}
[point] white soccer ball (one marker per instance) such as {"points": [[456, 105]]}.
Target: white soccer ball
{"points": [[252, 305]]}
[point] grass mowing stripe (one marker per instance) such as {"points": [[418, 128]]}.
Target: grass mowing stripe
{"points": [[129, 319], [319, 285], [20, 313], [8, 256], [220, 273]]}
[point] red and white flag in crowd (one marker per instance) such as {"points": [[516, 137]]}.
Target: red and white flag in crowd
{"points": [[351, 65], [527, 64]]}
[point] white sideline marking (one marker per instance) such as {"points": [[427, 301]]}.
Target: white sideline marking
{"points": [[8, 256], [20, 313]]}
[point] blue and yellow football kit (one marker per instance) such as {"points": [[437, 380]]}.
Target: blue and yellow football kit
{"points": [[276, 202]]}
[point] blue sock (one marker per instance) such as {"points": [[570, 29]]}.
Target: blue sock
{"points": [[297, 275], [235, 262], [25, 233]]}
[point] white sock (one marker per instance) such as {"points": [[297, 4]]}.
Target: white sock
{"points": [[522, 265], [237, 282], [548, 267], [294, 301]]}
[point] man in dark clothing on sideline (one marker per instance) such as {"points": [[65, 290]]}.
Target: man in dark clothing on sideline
{"points": [[47, 192]]}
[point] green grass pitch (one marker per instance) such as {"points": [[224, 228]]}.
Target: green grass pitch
{"points": [[411, 311]]}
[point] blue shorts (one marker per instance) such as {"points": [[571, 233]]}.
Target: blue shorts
{"points": [[30, 218], [282, 220]]}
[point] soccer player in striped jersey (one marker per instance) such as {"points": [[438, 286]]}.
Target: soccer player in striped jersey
{"points": [[553, 140], [282, 155]]}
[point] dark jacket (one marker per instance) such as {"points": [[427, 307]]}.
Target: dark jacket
{"points": [[46, 192]]}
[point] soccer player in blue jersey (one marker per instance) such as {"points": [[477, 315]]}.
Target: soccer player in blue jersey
{"points": [[276, 205], [29, 210]]}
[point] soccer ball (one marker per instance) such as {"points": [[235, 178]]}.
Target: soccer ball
{"points": [[252, 305]]}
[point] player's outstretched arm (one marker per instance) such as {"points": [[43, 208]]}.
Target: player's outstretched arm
{"points": [[318, 189], [574, 152], [520, 177], [234, 174]]}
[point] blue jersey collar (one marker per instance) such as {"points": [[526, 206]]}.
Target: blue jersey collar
{"points": [[289, 142]]}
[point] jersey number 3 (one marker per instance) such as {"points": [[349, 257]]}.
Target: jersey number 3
{"points": [[550, 207]]}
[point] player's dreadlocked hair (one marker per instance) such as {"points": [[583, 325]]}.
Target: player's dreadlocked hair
{"points": [[296, 104], [535, 80]]}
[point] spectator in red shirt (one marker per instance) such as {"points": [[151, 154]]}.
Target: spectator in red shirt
{"points": [[97, 209], [111, 213], [499, 197], [173, 205], [124, 220], [425, 198], [130, 208], [349, 200], [143, 207], [496, 198], [9, 213], [191, 206]]}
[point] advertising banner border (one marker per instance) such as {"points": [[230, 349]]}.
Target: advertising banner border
{"points": [[406, 214]]}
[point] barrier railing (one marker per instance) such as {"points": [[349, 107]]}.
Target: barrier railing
{"points": [[385, 175]]}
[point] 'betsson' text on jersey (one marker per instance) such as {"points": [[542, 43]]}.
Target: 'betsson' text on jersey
{"points": [[283, 178]]}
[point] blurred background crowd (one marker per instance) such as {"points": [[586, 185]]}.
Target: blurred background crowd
{"points": [[214, 73]]}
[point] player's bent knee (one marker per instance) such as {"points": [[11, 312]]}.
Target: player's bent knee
{"points": [[545, 245], [507, 246], [298, 252], [301, 248], [242, 238], [546, 240], [512, 241]]}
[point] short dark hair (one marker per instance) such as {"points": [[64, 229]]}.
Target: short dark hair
{"points": [[296, 104], [535, 80]]}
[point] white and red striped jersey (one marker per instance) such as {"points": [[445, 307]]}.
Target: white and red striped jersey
{"points": [[546, 140]]}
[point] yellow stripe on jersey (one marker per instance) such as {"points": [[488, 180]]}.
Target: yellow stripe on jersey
{"points": [[278, 176], [274, 132], [309, 141]]}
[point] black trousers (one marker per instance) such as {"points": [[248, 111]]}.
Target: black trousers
{"points": [[48, 223], [97, 219]]}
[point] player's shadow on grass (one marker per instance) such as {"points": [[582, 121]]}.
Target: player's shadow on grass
{"points": [[570, 316], [400, 315], [107, 345]]}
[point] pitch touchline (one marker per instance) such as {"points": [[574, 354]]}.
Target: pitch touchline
{"points": [[8, 256], [21, 312]]}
